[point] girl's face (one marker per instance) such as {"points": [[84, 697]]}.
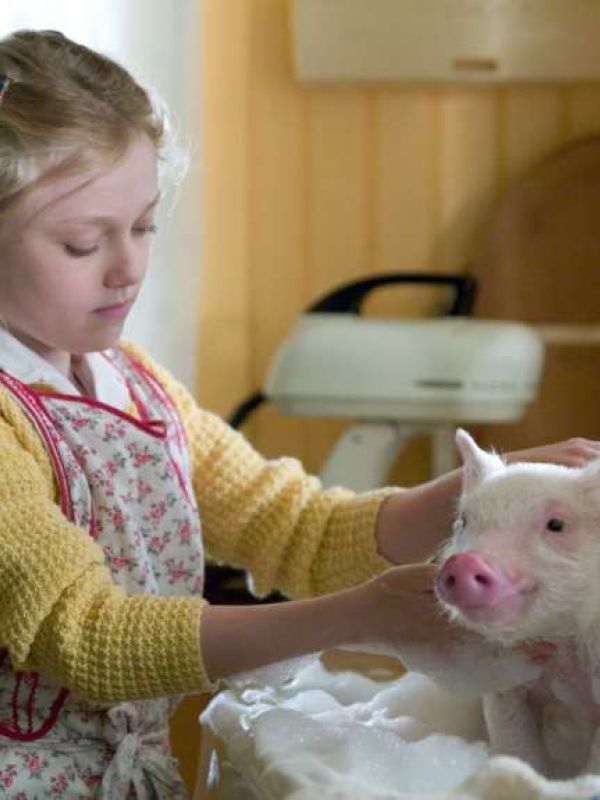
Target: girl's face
{"points": [[73, 255]]}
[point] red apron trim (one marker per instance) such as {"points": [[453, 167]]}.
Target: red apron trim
{"points": [[175, 422], [35, 679], [155, 427], [47, 725], [37, 414], [15, 700]]}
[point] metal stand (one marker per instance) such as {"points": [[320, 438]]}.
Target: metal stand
{"points": [[362, 458]]}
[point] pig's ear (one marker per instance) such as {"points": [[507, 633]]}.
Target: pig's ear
{"points": [[477, 463]]}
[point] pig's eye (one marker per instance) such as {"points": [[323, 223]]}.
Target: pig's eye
{"points": [[555, 524]]}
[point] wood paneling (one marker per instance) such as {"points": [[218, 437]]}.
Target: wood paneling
{"points": [[225, 346]]}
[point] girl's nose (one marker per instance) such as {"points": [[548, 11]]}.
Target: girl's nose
{"points": [[127, 266]]}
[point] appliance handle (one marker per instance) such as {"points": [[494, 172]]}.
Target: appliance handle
{"points": [[348, 298]]}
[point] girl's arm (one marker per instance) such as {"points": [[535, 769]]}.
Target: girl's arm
{"points": [[277, 522], [61, 613], [268, 515], [427, 510], [398, 606]]}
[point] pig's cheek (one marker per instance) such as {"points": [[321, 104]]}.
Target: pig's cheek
{"points": [[563, 541], [469, 539], [452, 547]]}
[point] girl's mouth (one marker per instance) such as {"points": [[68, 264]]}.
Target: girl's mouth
{"points": [[117, 311]]}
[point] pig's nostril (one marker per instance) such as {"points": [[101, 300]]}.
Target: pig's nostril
{"points": [[450, 580], [482, 579]]}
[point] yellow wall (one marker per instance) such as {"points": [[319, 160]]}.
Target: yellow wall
{"points": [[306, 187]]}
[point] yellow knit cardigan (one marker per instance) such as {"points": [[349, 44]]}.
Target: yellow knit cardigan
{"points": [[62, 615]]}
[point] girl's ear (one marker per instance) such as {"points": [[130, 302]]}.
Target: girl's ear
{"points": [[477, 463]]}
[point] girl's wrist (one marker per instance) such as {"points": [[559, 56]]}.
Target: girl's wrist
{"points": [[412, 523], [240, 638]]}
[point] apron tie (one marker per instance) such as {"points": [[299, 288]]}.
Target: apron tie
{"points": [[141, 760]]}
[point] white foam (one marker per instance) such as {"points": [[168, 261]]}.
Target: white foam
{"points": [[298, 732], [316, 729]]}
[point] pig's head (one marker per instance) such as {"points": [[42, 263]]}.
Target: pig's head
{"points": [[524, 558]]}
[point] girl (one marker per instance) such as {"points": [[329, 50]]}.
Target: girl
{"points": [[106, 463]]}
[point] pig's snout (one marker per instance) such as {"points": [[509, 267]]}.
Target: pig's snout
{"points": [[467, 581]]}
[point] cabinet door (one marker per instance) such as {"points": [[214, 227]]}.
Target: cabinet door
{"points": [[446, 40]]}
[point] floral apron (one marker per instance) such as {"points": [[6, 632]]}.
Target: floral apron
{"points": [[127, 482]]}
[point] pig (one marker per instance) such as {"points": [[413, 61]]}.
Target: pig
{"points": [[523, 567]]}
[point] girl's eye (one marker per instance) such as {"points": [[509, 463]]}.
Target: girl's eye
{"points": [[144, 230], [79, 252], [555, 524]]}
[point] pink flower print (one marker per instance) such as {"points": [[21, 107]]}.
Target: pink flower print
{"points": [[176, 571], [158, 510], [33, 764], [102, 478], [116, 562], [111, 467], [143, 489], [185, 532], [157, 544], [120, 562], [72, 471], [142, 458], [58, 784], [139, 458], [7, 776], [113, 432], [81, 452], [90, 778], [118, 517], [79, 423]]}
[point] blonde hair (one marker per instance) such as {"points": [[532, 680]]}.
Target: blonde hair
{"points": [[66, 108]]}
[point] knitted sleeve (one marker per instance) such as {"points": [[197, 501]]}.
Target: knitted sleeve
{"points": [[269, 516], [60, 612]]}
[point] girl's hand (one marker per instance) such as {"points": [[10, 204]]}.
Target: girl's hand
{"points": [[401, 607], [576, 452], [396, 607], [412, 524], [405, 611]]}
